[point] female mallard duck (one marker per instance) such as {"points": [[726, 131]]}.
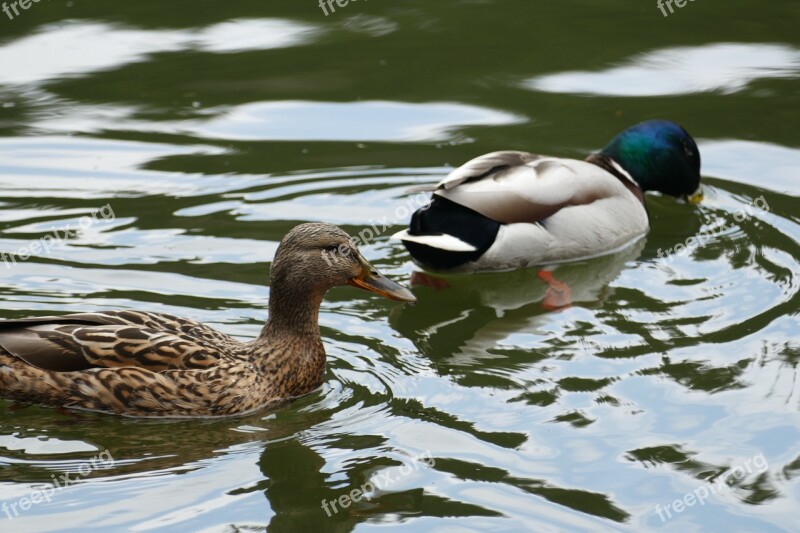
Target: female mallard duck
{"points": [[508, 210], [146, 364]]}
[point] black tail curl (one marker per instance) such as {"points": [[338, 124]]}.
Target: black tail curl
{"points": [[441, 216]]}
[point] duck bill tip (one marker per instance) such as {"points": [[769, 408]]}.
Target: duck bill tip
{"points": [[696, 197], [385, 287]]}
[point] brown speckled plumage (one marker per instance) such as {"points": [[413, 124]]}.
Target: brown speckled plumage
{"points": [[146, 364]]}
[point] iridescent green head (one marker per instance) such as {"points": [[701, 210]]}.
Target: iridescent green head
{"points": [[659, 155]]}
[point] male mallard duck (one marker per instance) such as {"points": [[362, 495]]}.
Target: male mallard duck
{"points": [[508, 210], [147, 364]]}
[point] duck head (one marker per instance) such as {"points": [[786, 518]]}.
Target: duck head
{"points": [[313, 258], [660, 156]]}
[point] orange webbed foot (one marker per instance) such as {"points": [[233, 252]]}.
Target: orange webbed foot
{"points": [[420, 279], [558, 294]]}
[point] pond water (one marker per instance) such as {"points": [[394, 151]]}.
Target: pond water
{"points": [[194, 134]]}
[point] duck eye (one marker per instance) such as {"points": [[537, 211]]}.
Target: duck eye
{"points": [[332, 248]]}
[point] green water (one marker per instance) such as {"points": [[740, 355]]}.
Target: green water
{"points": [[205, 130]]}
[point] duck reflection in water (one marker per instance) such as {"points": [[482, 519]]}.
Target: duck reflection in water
{"points": [[466, 316]]}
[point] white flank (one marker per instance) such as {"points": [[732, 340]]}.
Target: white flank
{"points": [[442, 242]]}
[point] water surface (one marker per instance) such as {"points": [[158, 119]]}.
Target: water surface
{"points": [[194, 135]]}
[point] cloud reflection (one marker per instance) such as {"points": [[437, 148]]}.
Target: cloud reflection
{"points": [[78, 47], [348, 121], [724, 67]]}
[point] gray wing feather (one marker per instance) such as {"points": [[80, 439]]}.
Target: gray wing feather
{"points": [[513, 187], [484, 165]]}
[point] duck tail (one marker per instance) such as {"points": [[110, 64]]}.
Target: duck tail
{"points": [[444, 235]]}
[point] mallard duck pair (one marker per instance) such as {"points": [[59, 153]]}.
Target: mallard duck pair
{"points": [[500, 211]]}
